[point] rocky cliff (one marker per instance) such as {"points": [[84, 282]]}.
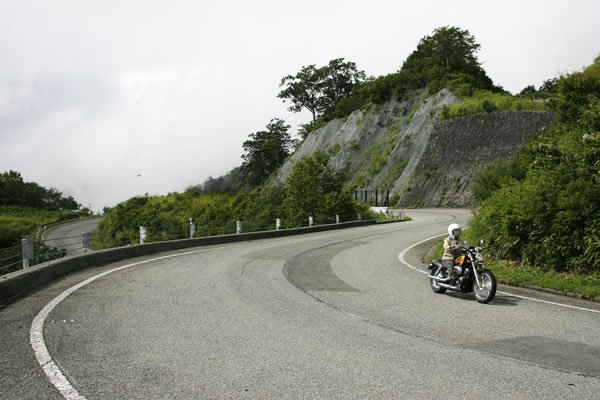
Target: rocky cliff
{"points": [[401, 146]]}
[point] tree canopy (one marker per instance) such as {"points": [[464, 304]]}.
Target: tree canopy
{"points": [[265, 151], [319, 89], [446, 58], [448, 55], [15, 191]]}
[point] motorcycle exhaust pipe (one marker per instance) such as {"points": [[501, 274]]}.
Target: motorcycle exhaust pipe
{"points": [[449, 286], [438, 279]]}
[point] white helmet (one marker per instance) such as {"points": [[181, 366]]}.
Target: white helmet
{"points": [[452, 228]]}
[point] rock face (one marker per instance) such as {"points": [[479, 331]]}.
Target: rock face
{"points": [[401, 146]]}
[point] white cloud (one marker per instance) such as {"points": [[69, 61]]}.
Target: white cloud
{"points": [[93, 93]]}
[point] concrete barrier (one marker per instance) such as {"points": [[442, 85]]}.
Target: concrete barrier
{"points": [[21, 283]]}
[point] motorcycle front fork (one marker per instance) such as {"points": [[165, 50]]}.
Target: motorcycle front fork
{"points": [[477, 279]]}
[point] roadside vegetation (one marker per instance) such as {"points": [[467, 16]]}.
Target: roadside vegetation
{"points": [[17, 223], [541, 206], [25, 208], [538, 211], [312, 189], [585, 286]]}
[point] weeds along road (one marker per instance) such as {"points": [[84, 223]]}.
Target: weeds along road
{"points": [[330, 315]]}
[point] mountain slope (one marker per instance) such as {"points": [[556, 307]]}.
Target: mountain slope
{"points": [[401, 146]]}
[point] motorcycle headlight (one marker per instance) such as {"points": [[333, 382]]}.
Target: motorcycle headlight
{"points": [[479, 257]]}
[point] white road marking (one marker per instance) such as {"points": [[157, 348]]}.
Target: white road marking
{"points": [[551, 302], [403, 261], [36, 333]]}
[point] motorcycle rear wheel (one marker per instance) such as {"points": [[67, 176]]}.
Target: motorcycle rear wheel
{"points": [[435, 286], [486, 293]]}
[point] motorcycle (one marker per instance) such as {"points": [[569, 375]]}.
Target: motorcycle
{"points": [[470, 275]]}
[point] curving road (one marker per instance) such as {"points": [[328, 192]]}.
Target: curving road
{"points": [[68, 236], [334, 315]]}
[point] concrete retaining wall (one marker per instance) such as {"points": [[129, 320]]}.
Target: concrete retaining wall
{"points": [[460, 147], [24, 282]]}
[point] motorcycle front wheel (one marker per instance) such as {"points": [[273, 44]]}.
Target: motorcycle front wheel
{"points": [[487, 291]]}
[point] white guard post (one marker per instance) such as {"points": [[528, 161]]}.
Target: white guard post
{"points": [[86, 241], [143, 234], [27, 250], [192, 229]]}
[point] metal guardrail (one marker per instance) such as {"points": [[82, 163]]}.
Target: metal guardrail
{"points": [[32, 253]]}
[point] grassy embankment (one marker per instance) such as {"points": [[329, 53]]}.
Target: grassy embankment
{"points": [[483, 101], [18, 223]]}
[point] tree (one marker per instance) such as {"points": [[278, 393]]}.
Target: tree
{"points": [[319, 89], [339, 80], [549, 85], [575, 94], [528, 90], [314, 189], [304, 90], [11, 188], [265, 151], [448, 54], [15, 191]]}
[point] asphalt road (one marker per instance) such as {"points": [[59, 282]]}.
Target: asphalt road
{"points": [[69, 235], [333, 315]]}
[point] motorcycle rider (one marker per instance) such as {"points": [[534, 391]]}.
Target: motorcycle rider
{"points": [[452, 245]]}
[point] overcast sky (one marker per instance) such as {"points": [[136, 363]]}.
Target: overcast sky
{"points": [[94, 93]]}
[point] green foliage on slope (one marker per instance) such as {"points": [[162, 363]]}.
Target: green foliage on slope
{"points": [[18, 223], [167, 217], [542, 205]]}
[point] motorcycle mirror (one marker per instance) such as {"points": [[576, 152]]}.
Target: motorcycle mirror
{"points": [[481, 242]]}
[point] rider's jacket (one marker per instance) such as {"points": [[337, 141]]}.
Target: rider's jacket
{"points": [[451, 244]]}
